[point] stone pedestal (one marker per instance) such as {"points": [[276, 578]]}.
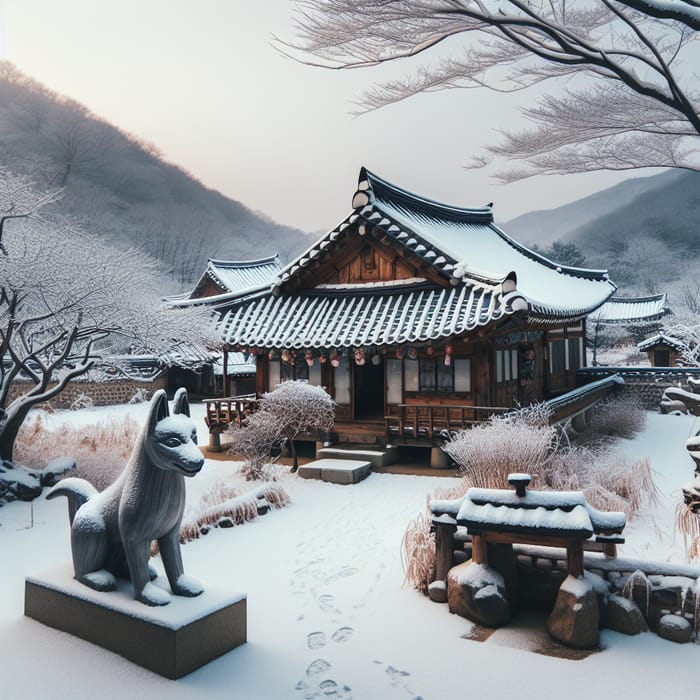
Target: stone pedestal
{"points": [[172, 640]]}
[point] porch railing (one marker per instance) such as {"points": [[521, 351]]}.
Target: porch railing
{"points": [[428, 421], [220, 413]]}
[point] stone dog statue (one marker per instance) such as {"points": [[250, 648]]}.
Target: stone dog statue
{"points": [[112, 531]]}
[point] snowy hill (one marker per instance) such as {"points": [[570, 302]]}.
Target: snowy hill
{"points": [[121, 187], [623, 227]]}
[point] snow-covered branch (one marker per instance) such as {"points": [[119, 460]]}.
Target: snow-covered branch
{"points": [[636, 51]]}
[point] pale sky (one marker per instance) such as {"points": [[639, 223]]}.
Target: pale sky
{"points": [[201, 81]]}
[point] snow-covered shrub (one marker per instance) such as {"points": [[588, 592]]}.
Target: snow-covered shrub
{"points": [[609, 480], [622, 416], [255, 441], [298, 408], [521, 441], [141, 395], [688, 522], [100, 450], [418, 552], [82, 401]]}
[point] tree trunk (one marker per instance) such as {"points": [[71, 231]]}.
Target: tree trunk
{"points": [[295, 460], [10, 424]]}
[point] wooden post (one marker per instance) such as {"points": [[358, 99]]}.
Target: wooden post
{"points": [[574, 557], [444, 546], [225, 370], [479, 553]]}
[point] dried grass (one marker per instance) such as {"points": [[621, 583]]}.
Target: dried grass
{"points": [[224, 502], [100, 450], [608, 479], [688, 522], [638, 588], [516, 442], [418, 552]]}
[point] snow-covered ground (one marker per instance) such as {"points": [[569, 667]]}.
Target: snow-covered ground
{"points": [[327, 616]]}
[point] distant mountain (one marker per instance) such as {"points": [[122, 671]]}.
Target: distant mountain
{"points": [[119, 186], [645, 231], [545, 226]]}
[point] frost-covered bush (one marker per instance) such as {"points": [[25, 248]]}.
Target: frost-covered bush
{"points": [[82, 401], [298, 408], [255, 441], [141, 395], [519, 441], [418, 553], [100, 450], [609, 480], [621, 416]]}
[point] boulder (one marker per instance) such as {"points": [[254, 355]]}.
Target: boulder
{"points": [[478, 593], [18, 483], [55, 470], [437, 592], [624, 615], [575, 618], [674, 628]]}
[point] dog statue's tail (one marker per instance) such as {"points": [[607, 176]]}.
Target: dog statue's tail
{"points": [[77, 491]]}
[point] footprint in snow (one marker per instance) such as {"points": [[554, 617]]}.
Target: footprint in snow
{"points": [[316, 640], [343, 634]]}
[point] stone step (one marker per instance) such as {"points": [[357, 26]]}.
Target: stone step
{"points": [[380, 457], [336, 471]]}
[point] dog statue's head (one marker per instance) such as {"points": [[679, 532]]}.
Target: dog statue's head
{"points": [[171, 440]]}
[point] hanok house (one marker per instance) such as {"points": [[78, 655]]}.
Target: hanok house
{"points": [[416, 317]]}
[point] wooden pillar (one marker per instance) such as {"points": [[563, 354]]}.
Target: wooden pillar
{"points": [[574, 557], [225, 369], [444, 546], [479, 554]]}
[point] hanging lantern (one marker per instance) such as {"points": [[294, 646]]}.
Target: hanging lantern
{"points": [[412, 354], [360, 356], [399, 353], [335, 359], [376, 359], [322, 358], [308, 356], [429, 350], [285, 356], [271, 355], [449, 349], [292, 357]]}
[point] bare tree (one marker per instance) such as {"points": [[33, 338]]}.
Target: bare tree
{"points": [[19, 200], [66, 299], [631, 98]]}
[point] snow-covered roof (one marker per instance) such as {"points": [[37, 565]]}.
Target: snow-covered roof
{"points": [[660, 339], [633, 309], [230, 277], [554, 513], [238, 364], [362, 315], [485, 276]]}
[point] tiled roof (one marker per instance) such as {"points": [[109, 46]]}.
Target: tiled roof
{"points": [[231, 278], [359, 315], [633, 310], [234, 276], [661, 339], [463, 246]]}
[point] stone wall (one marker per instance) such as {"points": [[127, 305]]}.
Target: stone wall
{"points": [[104, 393], [647, 384]]}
